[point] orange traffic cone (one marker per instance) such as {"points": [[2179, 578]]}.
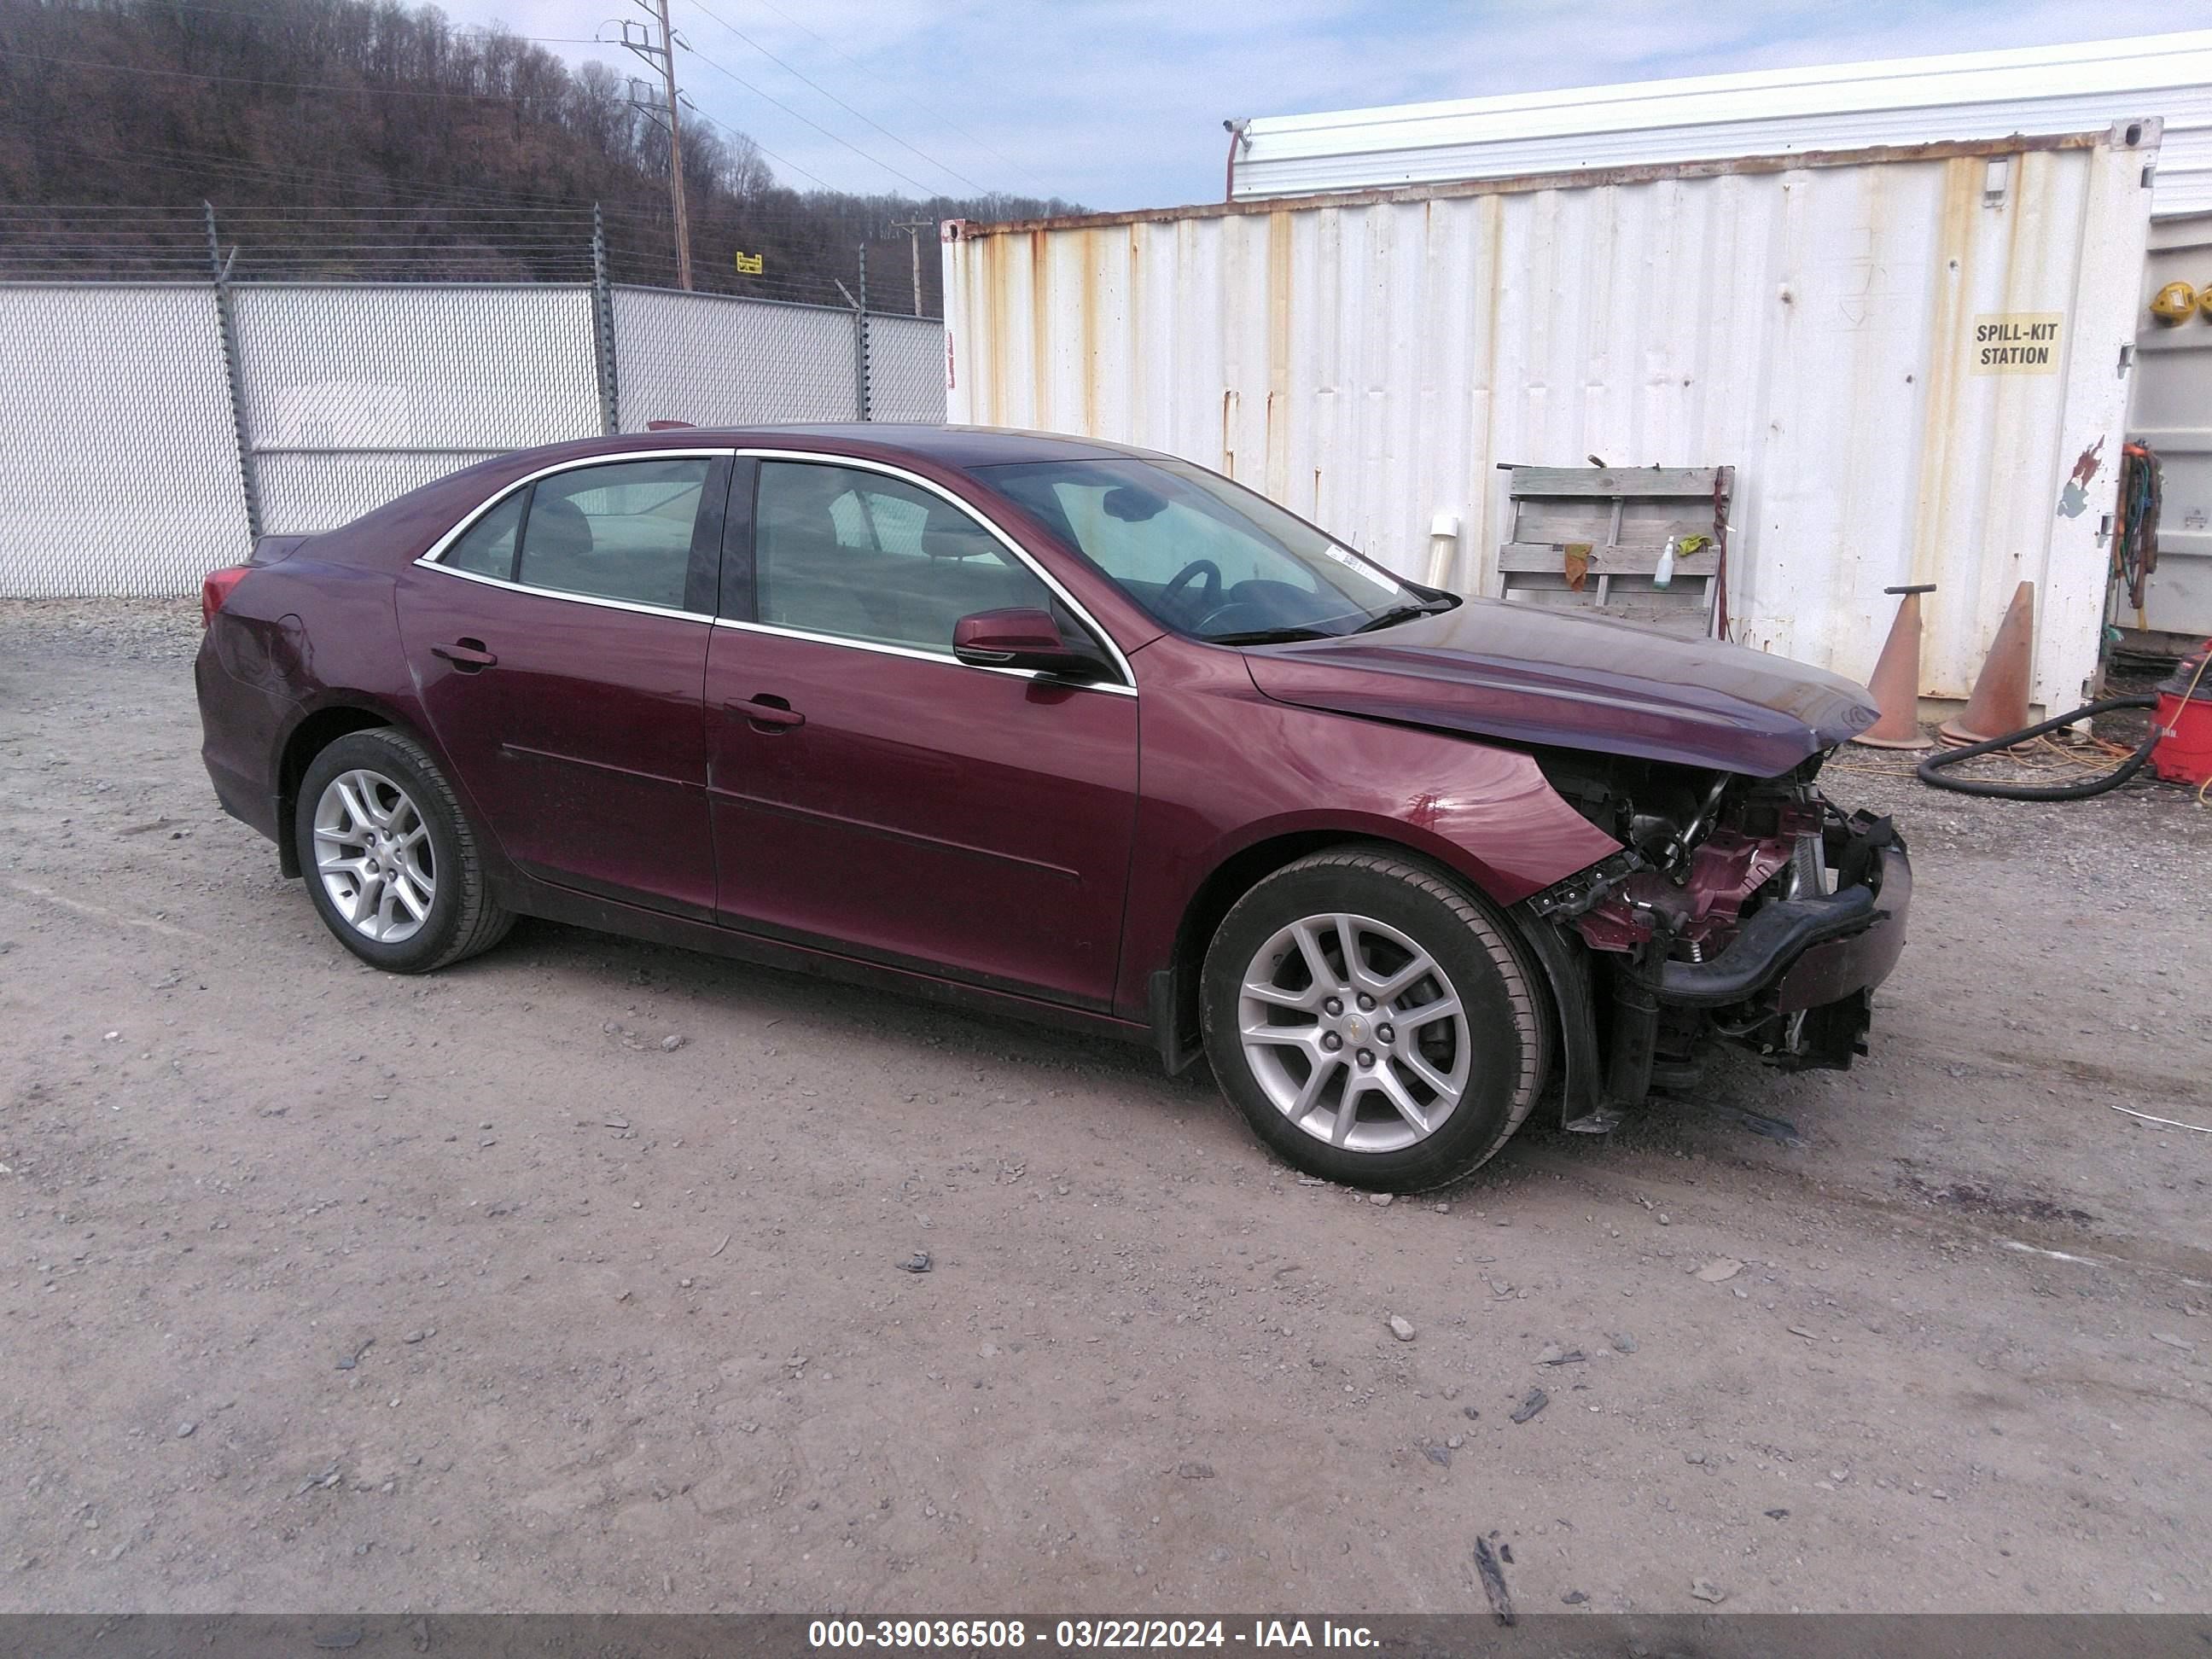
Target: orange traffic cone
{"points": [[1999, 702], [1896, 682]]}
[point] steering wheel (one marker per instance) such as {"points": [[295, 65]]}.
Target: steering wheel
{"points": [[1182, 579]]}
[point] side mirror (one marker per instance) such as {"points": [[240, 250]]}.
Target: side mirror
{"points": [[1022, 639]]}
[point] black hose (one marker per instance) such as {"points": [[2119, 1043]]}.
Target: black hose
{"points": [[1930, 771]]}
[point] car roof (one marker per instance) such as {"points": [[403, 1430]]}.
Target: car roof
{"points": [[950, 446], [418, 516]]}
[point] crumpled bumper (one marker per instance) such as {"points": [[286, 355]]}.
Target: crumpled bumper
{"points": [[1808, 952]]}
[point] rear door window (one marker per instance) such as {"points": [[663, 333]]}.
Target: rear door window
{"points": [[623, 531]]}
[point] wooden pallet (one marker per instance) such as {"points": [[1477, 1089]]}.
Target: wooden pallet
{"points": [[1626, 515]]}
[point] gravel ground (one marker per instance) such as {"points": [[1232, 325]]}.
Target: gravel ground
{"points": [[321, 1289]]}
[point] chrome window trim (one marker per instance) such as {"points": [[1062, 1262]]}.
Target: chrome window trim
{"points": [[434, 559], [1128, 681], [601, 600], [883, 649]]}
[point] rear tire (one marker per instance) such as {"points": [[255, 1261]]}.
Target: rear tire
{"points": [[389, 857], [1367, 982]]}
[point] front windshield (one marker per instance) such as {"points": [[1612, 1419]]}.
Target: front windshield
{"points": [[1202, 555]]}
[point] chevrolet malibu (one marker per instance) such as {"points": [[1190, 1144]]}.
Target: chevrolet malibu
{"points": [[1070, 731]]}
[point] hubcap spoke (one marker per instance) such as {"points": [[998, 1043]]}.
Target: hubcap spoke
{"points": [[1429, 1013], [416, 905], [1418, 1063], [1316, 959], [1405, 979], [1308, 1095], [1275, 997], [1387, 1085], [1348, 1112]]}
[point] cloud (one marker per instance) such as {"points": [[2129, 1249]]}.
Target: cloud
{"points": [[1118, 103]]}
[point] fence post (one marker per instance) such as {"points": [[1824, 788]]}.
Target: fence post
{"points": [[227, 330], [603, 327], [859, 338]]}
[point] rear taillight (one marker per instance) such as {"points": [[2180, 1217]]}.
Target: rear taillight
{"points": [[216, 589]]}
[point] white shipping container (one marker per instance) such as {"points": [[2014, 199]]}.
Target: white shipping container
{"points": [[2079, 86], [1820, 324], [2172, 413]]}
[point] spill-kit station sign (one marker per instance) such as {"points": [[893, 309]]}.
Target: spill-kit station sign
{"points": [[2017, 342]]}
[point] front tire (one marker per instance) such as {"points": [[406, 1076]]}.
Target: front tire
{"points": [[1375, 1023], [390, 858]]}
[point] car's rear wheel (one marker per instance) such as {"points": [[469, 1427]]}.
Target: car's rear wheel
{"points": [[1373, 1021], [390, 858]]}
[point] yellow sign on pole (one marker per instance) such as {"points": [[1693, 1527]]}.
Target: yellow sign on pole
{"points": [[749, 264]]}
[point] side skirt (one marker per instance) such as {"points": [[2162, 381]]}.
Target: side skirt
{"points": [[532, 897]]}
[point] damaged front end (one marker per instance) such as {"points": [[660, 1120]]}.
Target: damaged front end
{"points": [[1750, 910]]}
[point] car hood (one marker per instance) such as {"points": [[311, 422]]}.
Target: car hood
{"points": [[1526, 675]]}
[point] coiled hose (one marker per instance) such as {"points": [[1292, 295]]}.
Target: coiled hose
{"points": [[1930, 770]]}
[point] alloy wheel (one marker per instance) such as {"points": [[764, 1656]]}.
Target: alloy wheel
{"points": [[1354, 1032], [373, 853]]}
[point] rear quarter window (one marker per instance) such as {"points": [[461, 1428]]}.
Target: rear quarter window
{"points": [[488, 548]]}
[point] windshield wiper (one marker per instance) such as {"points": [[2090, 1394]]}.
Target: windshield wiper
{"points": [[1399, 613], [1270, 636]]}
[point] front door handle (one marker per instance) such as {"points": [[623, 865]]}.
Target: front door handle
{"points": [[467, 655], [767, 714]]}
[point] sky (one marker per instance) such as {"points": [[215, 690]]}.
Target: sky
{"points": [[1118, 104]]}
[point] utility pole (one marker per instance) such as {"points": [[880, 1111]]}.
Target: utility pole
{"points": [[661, 55], [913, 229]]}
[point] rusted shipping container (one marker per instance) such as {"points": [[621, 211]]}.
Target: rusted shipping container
{"points": [[1917, 358]]}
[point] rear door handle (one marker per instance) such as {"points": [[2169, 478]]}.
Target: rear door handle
{"points": [[767, 713], [467, 655]]}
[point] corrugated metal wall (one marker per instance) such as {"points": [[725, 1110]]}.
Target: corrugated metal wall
{"points": [[1370, 363], [2172, 412]]}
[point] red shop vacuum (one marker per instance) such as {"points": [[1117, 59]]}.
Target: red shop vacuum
{"points": [[2182, 750], [2178, 747]]}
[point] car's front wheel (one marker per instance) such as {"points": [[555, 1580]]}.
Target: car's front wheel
{"points": [[390, 858], [1375, 1023]]}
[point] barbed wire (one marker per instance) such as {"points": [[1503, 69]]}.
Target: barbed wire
{"points": [[123, 242]]}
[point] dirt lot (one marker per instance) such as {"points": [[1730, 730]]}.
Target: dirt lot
{"points": [[323, 1289]]}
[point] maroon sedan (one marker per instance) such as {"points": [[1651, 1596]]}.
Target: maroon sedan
{"points": [[1064, 730]]}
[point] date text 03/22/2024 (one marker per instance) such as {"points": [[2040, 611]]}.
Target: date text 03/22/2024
{"points": [[972, 1634]]}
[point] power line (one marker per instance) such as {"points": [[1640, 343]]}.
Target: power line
{"points": [[885, 81], [746, 137], [836, 99], [795, 115]]}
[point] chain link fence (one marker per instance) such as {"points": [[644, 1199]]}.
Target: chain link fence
{"points": [[906, 368], [350, 395], [714, 361], [153, 430], [120, 467]]}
